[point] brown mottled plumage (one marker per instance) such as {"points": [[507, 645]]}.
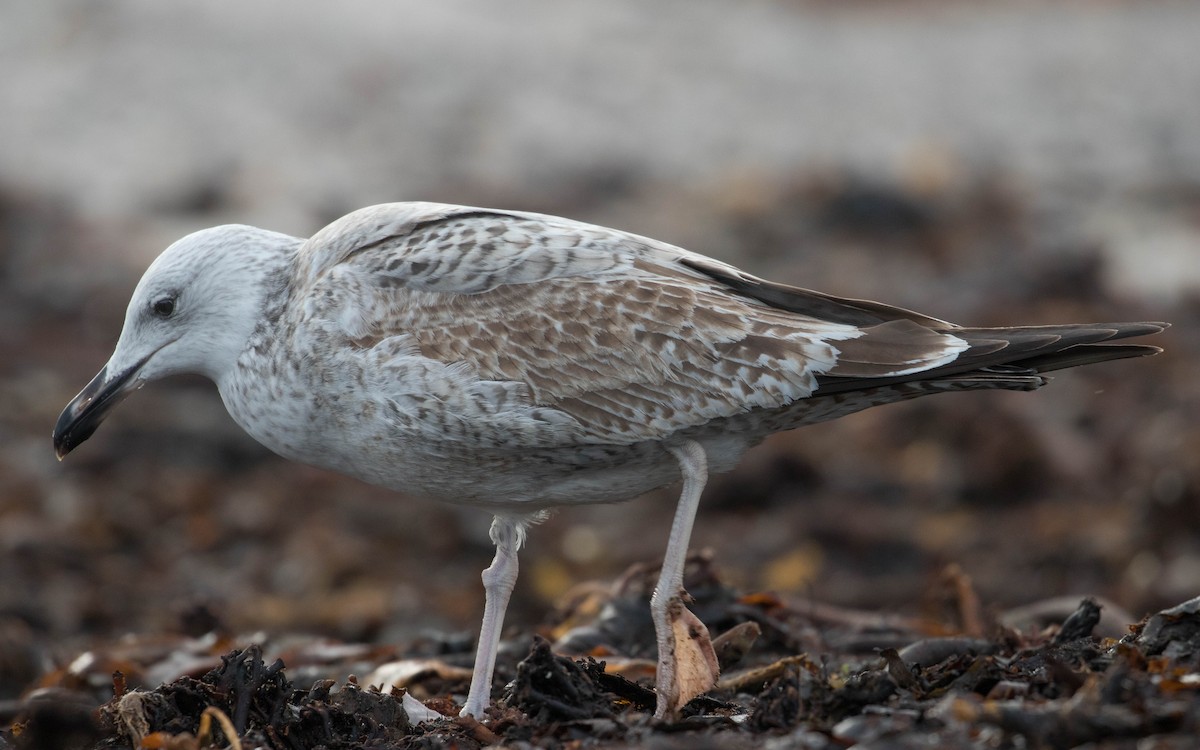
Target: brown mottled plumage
{"points": [[518, 361]]}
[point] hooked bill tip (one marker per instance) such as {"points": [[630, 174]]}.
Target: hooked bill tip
{"points": [[87, 410]]}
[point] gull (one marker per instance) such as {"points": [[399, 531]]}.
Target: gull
{"points": [[517, 362]]}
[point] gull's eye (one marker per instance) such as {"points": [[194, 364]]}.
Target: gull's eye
{"points": [[163, 307]]}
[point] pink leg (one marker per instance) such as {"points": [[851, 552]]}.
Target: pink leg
{"points": [[693, 465], [498, 581]]}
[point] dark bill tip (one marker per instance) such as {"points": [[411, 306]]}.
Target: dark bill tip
{"points": [[87, 410]]}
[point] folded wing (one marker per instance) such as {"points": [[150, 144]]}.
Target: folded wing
{"points": [[624, 335]]}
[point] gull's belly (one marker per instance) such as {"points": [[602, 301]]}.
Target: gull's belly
{"points": [[363, 444], [496, 479], [517, 480]]}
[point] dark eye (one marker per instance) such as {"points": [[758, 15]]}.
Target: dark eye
{"points": [[163, 307]]}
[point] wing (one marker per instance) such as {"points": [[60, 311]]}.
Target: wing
{"points": [[619, 338]]}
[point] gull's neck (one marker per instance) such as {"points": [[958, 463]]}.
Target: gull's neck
{"points": [[258, 285]]}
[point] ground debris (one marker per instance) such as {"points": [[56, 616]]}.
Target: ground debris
{"points": [[1058, 686], [262, 708], [1173, 632], [1080, 623], [555, 688]]}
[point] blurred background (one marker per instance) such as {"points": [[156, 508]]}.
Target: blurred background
{"points": [[988, 163]]}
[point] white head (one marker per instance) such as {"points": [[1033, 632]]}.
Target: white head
{"points": [[193, 312]]}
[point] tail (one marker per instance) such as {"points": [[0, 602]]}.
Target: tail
{"points": [[1014, 358], [902, 354]]}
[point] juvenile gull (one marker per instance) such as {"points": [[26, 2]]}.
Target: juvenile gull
{"points": [[517, 361]]}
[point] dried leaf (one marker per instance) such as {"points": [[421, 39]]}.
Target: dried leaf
{"points": [[733, 645], [696, 669], [406, 672]]}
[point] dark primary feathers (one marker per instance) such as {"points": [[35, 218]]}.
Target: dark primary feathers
{"points": [[1010, 357]]}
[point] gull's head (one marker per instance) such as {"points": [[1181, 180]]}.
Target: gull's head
{"points": [[193, 312]]}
